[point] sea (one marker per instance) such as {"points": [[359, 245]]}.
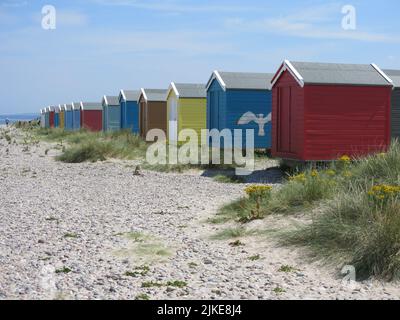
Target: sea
{"points": [[18, 117]]}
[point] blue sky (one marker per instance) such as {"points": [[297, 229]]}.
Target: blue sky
{"points": [[102, 46]]}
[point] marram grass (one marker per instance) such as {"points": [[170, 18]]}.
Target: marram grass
{"points": [[354, 206]]}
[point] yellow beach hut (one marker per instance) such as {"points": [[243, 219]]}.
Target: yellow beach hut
{"points": [[186, 109], [62, 116]]}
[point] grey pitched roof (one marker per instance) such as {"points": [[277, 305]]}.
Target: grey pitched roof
{"points": [[155, 94], [76, 105], [394, 75], [334, 73], [91, 106], [130, 95], [112, 100], [243, 80], [191, 90], [68, 107]]}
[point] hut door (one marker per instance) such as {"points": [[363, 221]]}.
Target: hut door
{"points": [[284, 124], [214, 112], [173, 120], [142, 116]]}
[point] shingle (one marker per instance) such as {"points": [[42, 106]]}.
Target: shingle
{"points": [[92, 106], [131, 95], [394, 75], [156, 94], [189, 90], [246, 80], [345, 74], [112, 100]]}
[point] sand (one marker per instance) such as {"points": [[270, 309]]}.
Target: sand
{"points": [[97, 231]]}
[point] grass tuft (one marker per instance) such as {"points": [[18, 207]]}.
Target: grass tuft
{"points": [[64, 270]]}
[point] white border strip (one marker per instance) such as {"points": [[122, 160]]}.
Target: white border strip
{"points": [[295, 72], [216, 75], [220, 80], [143, 93], [122, 93], [382, 73], [175, 89], [287, 65]]}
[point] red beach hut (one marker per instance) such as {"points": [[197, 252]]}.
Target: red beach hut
{"points": [[92, 116], [52, 111], [322, 111]]}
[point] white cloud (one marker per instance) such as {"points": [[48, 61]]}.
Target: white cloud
{"points": [[14, 4], [71, 18], [178, 6], [178, 42], [323, 22]]}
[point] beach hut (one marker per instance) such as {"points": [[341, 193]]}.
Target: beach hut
{"points": [[322, 111], [394, 75], [128, 100], [62, 116], [52, 110], [76, 115], [186, 109], [92, 116], [111, 113], [243, 101], [57, 117], [152, 110], [69, 118], [47, 117], [43, 118]]}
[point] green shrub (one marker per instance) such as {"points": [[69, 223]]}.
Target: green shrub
{"points": [[89, 151]]}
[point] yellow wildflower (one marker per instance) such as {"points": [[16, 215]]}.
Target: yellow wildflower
{"points": [[383, 192], [314, 173], [345, 159], [257, 190], [331, 173], [298, 178]]}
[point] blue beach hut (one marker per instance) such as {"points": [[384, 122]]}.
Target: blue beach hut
{"points": [[76, 112], [111, 113], [239, 100], [69, 118], [128, 100], [57, 117]]}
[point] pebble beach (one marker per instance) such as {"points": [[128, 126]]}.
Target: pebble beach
{"points": [[98, 231]]}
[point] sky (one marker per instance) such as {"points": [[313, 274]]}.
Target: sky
{"points": [[102, 46]]}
